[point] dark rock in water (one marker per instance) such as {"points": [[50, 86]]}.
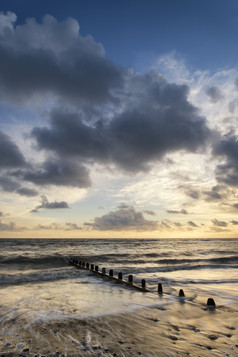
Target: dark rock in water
{"points": [[211, 303], [181, 293]]}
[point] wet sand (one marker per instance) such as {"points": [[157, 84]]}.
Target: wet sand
{"points": [[183, 328]]}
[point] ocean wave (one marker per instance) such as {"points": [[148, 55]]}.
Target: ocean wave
{"points": [[217, 260], [171, 268], [182, 282], [40, 276], [50, 260], [142, 258]]}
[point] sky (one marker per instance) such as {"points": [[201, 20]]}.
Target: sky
{"points": [[118, 119]]}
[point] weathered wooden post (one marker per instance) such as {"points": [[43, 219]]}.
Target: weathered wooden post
{"points": [[96, 268], [103, 271], [120, 276], [92, 267], [130, 279], [83, 264], [87, 265], [211, 303], [160, 289], [143, 283], [111, 272], [181, 293]]}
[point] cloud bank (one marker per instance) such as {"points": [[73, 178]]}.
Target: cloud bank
{"points": [[102, 114], [123, 218]]}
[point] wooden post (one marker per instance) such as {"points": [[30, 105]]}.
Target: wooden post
{"points": [[87, 265], [92, 267], [96, 268], [80, 263], [120, 276], [160, 289], [130, 279], [103, 271], [211, 303], [143, 283], [83, 264], [111, 272], [181, 293]]}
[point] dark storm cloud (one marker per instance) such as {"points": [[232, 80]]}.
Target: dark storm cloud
{"points": [[219, 223], [53, 58], [118, 118], [9, 153], [235, 205], [182, 211], [156, 119], [24, 191], [57, 172], [214, 94], [235, 223], [123, 218], [227, 172], [9, 185], [45, 204]]}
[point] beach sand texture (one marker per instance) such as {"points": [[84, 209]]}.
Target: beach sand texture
{"points": [[176, 327]]}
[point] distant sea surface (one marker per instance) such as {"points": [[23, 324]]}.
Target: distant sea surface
{"points": [[209, 265]]}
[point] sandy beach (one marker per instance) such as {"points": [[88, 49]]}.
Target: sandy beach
{"points": [[183, 328]]}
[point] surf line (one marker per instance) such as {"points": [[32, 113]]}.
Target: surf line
{"points": [[95, 269]]}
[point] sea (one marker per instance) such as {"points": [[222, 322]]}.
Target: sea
{"points": [[38, 283]]}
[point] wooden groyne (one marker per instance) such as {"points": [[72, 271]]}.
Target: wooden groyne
{"points": [[129, 282], [110, 275]]}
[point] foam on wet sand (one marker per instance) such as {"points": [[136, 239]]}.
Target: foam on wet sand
{"points": [[172, 327]]}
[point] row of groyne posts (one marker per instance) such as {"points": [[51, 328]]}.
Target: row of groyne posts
{"points": [[103, 273]]}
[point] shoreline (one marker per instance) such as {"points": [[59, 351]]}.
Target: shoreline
{"points": [[179, 329]]}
